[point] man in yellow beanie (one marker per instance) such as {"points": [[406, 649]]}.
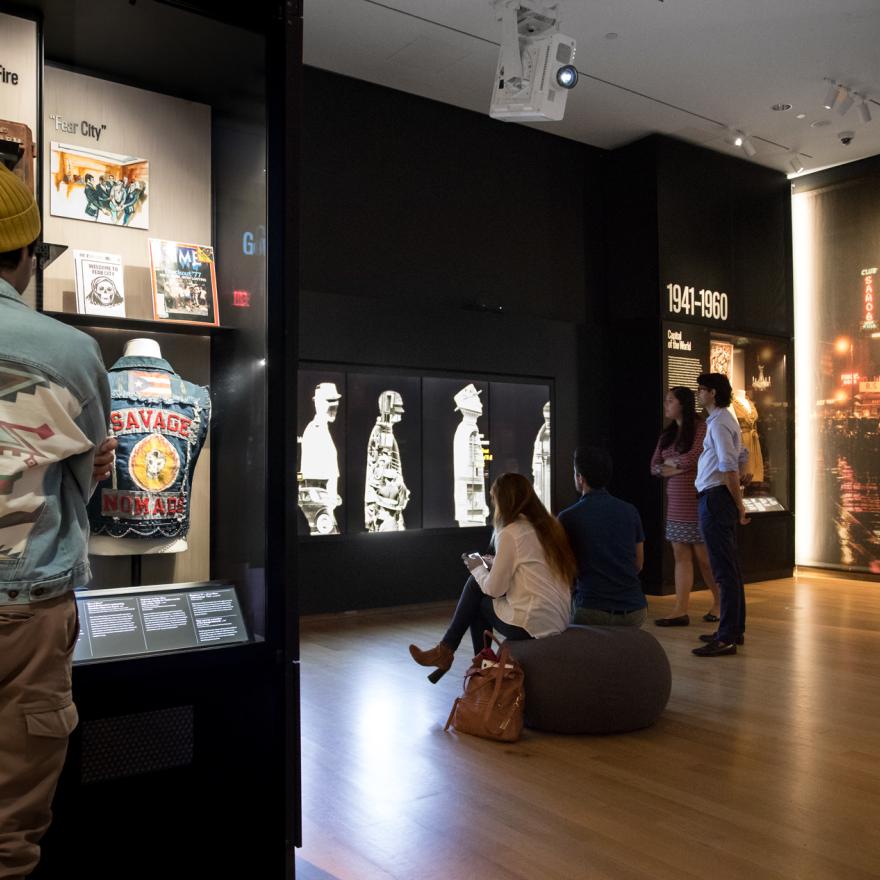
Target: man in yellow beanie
{"points": [[54, 412]]}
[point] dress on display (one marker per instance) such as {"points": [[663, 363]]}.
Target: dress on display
{"points": [[747, 415]]}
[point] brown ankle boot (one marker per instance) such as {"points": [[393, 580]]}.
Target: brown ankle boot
{"points": [[440, 656]]}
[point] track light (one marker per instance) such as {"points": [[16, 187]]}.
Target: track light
{"points": [[831, 95], [796, 165], [865, 110], [733, 138], [845, 100], [736, 138]]}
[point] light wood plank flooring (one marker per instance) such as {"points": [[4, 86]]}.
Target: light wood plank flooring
{"points": [[764, 765]]}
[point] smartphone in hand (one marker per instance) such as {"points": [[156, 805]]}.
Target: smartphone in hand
{"points": [[478, 557]]}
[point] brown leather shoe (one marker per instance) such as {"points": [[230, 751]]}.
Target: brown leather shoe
{"points": [[440, 656]]}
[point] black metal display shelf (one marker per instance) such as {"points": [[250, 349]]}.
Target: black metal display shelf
{"points": [[139, 324]]}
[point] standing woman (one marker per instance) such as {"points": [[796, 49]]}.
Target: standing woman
{"points": [[524, 591], [675, 460]]}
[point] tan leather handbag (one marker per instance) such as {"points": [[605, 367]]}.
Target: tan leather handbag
{"points": [[493, 700]]}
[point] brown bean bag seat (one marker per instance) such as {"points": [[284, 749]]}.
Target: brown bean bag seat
{"points": [[594, 679]]}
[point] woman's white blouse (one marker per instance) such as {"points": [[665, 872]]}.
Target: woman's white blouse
{"points": [[526, 592]]}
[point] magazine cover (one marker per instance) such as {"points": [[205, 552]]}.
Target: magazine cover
{"points": [[184, 282], [99, 285], [99, 187]]}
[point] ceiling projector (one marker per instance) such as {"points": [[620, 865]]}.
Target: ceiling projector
{"points": [[536, 64]]}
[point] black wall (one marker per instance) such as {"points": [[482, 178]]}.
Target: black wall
{"points": [[682, 214], [438, 239], [419, 203]]}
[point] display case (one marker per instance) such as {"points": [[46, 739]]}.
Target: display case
{"points": [[158, 226], [385, 450], [758, 368]]}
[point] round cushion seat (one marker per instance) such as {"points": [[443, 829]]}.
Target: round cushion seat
{"points": [[594, 679]]}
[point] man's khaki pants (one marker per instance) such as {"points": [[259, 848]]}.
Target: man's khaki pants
{"points": [[36, 717]]}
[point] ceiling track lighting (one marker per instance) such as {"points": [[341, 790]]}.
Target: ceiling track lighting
{"points": [[735, 138], [796, 165], [830, 95], [845, 100], [841, 98]]}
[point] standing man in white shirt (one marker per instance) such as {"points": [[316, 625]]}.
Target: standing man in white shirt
{"points": [[721, 508]]}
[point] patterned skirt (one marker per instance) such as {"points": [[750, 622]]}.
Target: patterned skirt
{"points": [[683, 533]]}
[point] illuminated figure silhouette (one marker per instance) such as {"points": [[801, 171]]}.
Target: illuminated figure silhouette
{"points": [[541, 460], [385, 494], [319, 465], [469, 490]]}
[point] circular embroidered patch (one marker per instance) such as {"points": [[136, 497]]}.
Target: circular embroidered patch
{"points": [[154, 463]]}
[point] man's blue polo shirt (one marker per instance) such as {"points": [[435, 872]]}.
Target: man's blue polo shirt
{"points": [[604, 531]]}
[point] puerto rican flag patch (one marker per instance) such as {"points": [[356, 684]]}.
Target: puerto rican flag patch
{"points": [[152, 385]]}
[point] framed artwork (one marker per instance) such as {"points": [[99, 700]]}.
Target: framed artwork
{"points": [[99, 187], [184, 282], [721, 359]]}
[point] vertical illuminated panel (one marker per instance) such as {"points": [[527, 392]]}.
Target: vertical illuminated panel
{"points": [[806, 357]]}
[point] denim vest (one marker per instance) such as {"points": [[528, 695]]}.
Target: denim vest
{"points": [[161, 422], [54, 406]]}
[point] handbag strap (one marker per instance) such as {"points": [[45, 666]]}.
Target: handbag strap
{"points": [[499, 672]]}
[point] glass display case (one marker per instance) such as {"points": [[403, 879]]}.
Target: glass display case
{"points": [[757, 368], [153, 200], [384, 451], [149, 133]]}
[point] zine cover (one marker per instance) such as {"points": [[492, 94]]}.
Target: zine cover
{"points": [[99, 187], [99, 285], [184, 282]]}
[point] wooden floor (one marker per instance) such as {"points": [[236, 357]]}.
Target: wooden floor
{"points": [[764, 765]]}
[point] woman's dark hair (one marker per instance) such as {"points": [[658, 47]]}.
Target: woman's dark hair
{"points": [[684, 437], [513, 496]]}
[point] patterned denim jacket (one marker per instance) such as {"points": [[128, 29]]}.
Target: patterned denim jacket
{"points": [[161, 422], [54, 407]]}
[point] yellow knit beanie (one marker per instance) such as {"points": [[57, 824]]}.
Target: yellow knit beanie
{"points": [[19, 214]]}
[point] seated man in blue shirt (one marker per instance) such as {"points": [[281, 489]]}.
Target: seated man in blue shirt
{"points": [[608, 542]]}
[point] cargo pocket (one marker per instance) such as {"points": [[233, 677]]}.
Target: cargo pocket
{"points": [[55, 724]]}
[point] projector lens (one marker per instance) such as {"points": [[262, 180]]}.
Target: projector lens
{"points": [[567, 76]]}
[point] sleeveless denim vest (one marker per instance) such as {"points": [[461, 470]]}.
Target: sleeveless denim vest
{"points": [[161, 422]]}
